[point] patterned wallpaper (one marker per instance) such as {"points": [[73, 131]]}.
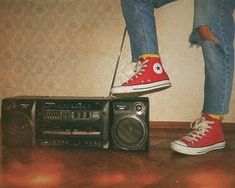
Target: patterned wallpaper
{"points": [[49, 47], [70, 47]]}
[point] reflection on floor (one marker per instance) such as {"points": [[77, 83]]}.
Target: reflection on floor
{"points": [[160, 167]]}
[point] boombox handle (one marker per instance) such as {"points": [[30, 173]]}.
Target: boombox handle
{"points": [[118, 60]]}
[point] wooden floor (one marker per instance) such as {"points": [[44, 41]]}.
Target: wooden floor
{"points": [[160, 167]]}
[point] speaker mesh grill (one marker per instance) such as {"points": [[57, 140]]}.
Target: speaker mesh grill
{"points": [[18, 130], [130, 133]]}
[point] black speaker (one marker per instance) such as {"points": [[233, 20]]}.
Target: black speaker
{"points": [[130, 127], [18, 121]]}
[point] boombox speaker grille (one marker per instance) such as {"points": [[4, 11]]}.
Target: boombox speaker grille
{"points": [[18, 130], [130, 132]]}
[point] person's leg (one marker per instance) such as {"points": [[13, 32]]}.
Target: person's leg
{"points": [[214, 32], [218, 52], [140, 23]]}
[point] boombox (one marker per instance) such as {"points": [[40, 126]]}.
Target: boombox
{"points": [[105, 123]]}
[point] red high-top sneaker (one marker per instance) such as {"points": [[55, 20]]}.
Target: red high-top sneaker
{"points": [[207, 135], [151, 76]]}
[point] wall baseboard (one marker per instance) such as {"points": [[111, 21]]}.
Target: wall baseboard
{"points": [[182, 125]]}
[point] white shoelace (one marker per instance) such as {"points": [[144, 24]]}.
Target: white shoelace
{"points": [[140, 68], [200, 128]]}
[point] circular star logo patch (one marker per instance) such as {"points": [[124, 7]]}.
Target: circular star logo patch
{"points": [[157, 68]]}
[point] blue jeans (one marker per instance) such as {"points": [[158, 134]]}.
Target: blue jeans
{"points": [[218, 56]]}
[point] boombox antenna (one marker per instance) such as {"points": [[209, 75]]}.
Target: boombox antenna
{"points": [[118, 60]]}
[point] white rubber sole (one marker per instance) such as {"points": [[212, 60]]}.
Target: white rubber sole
{"points": [[140, 88], [196, 151]]}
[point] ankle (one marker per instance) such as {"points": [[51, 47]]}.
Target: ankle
{"points": [[146, 56], [214, 116]]}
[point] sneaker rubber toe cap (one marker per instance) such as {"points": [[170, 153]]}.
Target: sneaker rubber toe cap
{"points": [[178, 142]]}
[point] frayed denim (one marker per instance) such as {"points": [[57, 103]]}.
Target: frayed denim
{"points": [[218, 56]]}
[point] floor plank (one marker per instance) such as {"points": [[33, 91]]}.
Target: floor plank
{"points": [[49, 167]]}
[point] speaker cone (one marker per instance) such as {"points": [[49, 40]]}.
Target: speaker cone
{"points": [[130, 132]]}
